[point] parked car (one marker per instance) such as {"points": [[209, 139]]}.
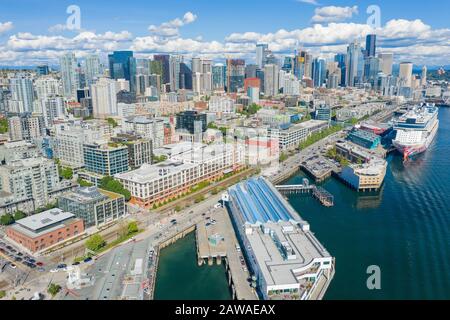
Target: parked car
{"points": [[87, 259], [76, 263], [61, 266], [12, 265]]}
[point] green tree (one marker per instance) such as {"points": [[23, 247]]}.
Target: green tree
{"points": [[66, 173], [2, 294], [19, 215], [95, 242], [6, 219], [3, 125], [158, 159], [112, 122], [108, 183], [177, 208], [132, 227], [199, 199], [53, 289], [253, 108], [84, 183], [212, 125], [283, 157]]}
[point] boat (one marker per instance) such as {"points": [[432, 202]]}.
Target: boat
{"points": [[415, 130]]}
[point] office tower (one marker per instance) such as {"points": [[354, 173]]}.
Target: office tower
{"points": [[22, 95], [202, 76], [105, 159], [26, 127], [122, 85], [152, 129], [122, 65], [270, 58], [104, 99], [42, 70], [271, 80], [164, 59], [319, 72], [333, 80], [69, 75], [386, 63], [423, 78], [250, 70], [142, 83], [235, 74], [371, 45], [260, 76], [156, 67], [185, 77], [261, 52], [33, 178], [354, 65], [308, 65], [174, 72], [92, 69], [405, 74], [341, 59], [219, 76], [371, 69], [187, 121], [155, 81], [288, 65]]}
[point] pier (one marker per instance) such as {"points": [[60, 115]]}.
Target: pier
{"points": [[318, 193]]}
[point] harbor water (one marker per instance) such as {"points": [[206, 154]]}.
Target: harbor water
{"points": [[180, 278], [404, 229]]}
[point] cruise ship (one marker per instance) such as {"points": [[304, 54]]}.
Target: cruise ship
{"points": [[415, 130]]}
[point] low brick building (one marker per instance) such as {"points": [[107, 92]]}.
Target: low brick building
{"points": [[45, 229]]}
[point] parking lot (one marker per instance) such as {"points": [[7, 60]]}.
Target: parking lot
{"points": [[18, 259]]}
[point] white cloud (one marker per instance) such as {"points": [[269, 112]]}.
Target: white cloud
{"points": [[6, 26], [172, 28], [333, 14], [409, 39], [313, 2]]}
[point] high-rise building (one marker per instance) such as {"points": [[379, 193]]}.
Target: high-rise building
{"points": [[22, 95], [235, 74], [371, 45], [104, 98], [122, 65], [386, 62], [174, 72], [319, 72], [341, 58], [219, 76], [46, 87], [261, 52], [32, 178], [164, 60], [140, 150], [185, 77], [271, 80], [354, 65], [42, 70], [202, 81], [51, 109], [423, 78], [92, 69], [69, 75], [26, 127], [250, 70], [405, 74], [371, 69]]}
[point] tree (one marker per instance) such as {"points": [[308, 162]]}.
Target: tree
{"points": [[132, 227], [158, 159], [2, 294], [6, 219], [3, 125], [65, 173], [283, 157], [95, 242], [199, 199], [19, 215], [112, 122], [53, 289], [108, 183], [84, 183]]}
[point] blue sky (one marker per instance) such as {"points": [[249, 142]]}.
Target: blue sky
{"points": [[27, 39]]}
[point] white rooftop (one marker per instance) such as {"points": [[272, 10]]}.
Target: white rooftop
{"points": [[45, 219]]}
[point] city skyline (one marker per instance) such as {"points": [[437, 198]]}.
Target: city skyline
{"points": [[191, 29]]}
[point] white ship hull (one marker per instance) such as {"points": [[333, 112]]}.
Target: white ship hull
{"points": [[411, 150]]}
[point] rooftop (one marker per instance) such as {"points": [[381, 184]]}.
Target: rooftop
{"points": [[149, 172], [44, 220]]}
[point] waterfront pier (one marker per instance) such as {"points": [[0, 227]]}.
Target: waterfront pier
{"points": [[318, 193]]}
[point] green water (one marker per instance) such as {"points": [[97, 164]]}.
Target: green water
{"points": [[180, 278]]}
